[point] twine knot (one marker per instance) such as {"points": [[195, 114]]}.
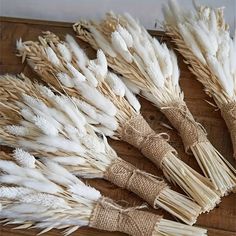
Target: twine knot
{"points": [[182, 120], [138, 133]]}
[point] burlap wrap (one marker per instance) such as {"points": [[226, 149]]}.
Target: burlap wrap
{"points": [[228, 112], [112, 217], [138, 133], [127, 176], [182, 120]]}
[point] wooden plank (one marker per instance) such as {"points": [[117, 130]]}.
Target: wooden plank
{"points": [[222, 220]]}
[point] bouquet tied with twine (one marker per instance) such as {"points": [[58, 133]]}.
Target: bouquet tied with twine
{"points": [[42, 194], [100, 93], [151, 70], [203, 38]]}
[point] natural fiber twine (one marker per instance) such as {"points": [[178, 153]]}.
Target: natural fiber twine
{"points": [[228, 112], [111, 217], [138, 133], [125, 175], [181, 118]]}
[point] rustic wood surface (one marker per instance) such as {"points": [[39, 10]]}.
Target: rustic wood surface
{"points": [[222, 220]]}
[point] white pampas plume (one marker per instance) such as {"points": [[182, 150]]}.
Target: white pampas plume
{"points": [[85, 191], [23, 158], [66, 105], [17, 130], [77, 76], [69, 160], [46, 200], [14, 192], [61, 143], [46, 126], [155, 74], [93, 143], [65, 52], [217, 70], [94, 97], [190, 42], [132, 22], [203, 39], [102, 61], [27, 114], [41, 186], [57, 169], [100, 117], [127, 37], [131, 86], [52, 57], [175, 71], [79, 53], [120, 46], [90, 77], [133, 101], [102, 42], [65, 80], [116, 84]]}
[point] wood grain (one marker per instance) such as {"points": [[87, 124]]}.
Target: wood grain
{"points": [[222, 220]]}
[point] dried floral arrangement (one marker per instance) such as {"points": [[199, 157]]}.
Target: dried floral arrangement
{"points": [[151, 70], [50, 126], [65, 66], [44, 195], [203, 38]]}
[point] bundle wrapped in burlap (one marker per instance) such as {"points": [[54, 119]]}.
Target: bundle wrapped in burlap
{"points": [[182, 120], [228, 112], [127, 176], [111, 217], [139, 134]]}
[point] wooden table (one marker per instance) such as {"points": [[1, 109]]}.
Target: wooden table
{"points": [[222, 220]]}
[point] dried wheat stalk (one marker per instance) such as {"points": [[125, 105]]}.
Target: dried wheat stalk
{"points": [[89, 81], [50, 126], [203, 38], [156, 78], [44, 195]]}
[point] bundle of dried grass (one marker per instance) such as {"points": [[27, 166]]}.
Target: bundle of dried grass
{"points": [[152, 71], [42, 194], [50, 126], [203, 38], [100, 92]]}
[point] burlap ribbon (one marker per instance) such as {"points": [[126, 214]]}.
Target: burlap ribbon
{"points": [[125, 175], [228, 112], [182, 120], [138, 133], [112, 217]]}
